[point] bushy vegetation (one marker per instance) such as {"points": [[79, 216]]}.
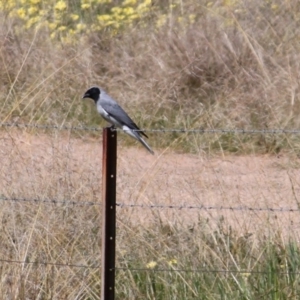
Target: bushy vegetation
{"points": [[179, 64], [67, 19]]}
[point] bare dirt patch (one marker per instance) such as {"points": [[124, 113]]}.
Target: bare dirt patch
{"points": [[63, 167]]}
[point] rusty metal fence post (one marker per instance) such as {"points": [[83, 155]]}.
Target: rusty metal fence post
{"points": [[108, 252]]}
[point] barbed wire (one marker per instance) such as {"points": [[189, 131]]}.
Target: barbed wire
{"points": [[152, 206], [50, 126], [158, 130], [50, 201], [204, 207], [47, 263]]}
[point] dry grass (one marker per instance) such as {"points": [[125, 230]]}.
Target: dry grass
{"points": [[60, 166], [234, 67]]}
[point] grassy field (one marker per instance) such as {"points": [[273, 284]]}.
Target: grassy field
{"points": [[230, 64], [171, 64]]}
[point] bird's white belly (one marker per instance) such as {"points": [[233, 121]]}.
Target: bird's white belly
{"points": [[105, 115]]}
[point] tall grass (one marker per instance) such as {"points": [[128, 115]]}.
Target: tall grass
{"points": [[232, 65], [210, 265]]}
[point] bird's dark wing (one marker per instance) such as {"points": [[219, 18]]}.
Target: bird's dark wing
{"points": [[117, 112]]}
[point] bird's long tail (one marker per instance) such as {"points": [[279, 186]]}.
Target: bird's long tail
{"points": [[136, 135], [143, 142]]}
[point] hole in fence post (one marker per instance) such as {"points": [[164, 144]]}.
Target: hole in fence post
{"points": [[108, 251]]}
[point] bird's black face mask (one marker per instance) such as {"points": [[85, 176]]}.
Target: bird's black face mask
{"points": [[92, 93]]}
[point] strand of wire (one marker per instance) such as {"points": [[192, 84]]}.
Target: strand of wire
{"points": [[204, 207], [160, 130], [45, 263], [152, 206], [51, 201], [50, 126]]}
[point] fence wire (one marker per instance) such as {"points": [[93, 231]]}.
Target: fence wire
{"points": [[158, 130], [51, 201], [50, 126], [204, 207], [152, 206], [45, 263]]}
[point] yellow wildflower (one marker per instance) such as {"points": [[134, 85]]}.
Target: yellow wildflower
{"points": [[229, 2], [144, 6], [32, 10], [172, 262], [134, 16], [42, 12], [151, 265], [119, 17], [60, 5], [128, 11], [245, 275], [52, 26], [62, 28], [96, 27], [129, 2], [85, 6], [192, 18], [117, 10], [162, 19], [89, 2], [74, 17], [32, 21], [21, 13], [104, 18], [8, 5], [80, 26]]}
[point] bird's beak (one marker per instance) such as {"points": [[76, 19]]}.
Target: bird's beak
{"points": [[86, 95]]}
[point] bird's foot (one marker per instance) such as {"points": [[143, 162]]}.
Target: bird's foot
{"points": [[113, 128]]}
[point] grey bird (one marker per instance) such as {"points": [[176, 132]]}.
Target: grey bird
{"points": [[113, 113]]}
